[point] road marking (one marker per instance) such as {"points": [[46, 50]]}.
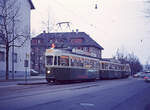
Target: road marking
{"points": [[86, 104]]}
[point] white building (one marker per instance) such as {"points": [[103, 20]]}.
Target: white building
{"points": [[20, 53]]}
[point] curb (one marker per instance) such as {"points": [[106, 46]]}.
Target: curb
{"points": [[32, 83], [13, 80]]}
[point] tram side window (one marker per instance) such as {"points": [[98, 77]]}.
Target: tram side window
{"points": [[77, 62], [115, 67], [72, 62], [64, 61], [97, 64], [55, 60], [91, 63], [87, 63], [106, 66], [49, 60], [103, 66], [110, 66], [58, 60]]}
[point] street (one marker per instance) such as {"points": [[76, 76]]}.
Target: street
{"points": [[119, 94]]}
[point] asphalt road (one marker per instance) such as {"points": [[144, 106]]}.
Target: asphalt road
{"points": [[124, 94]]}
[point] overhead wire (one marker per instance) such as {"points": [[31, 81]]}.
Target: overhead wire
{"points": [[85, 21]]}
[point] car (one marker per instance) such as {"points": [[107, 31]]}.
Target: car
{"points": [[147, 72], [139, 74], [147, 78], [33, 72], [143, 75]]}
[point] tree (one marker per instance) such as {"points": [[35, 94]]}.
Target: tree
{"points": [[131, 59], [9, 28]]}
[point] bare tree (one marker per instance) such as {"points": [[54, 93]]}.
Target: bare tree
{"points": [[9, 29], [129, 58]]}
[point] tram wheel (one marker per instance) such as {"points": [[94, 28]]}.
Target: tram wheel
{"points": [[50, 80]]}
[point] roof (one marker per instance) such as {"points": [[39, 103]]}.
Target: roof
{"points": [[87, 40], [32, 6]]}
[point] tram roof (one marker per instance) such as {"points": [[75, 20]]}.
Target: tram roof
{"points": [[65, 51], [87, 40]]}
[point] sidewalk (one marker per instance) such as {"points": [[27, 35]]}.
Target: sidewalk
{"points": [[30, 80], [40, 77]]}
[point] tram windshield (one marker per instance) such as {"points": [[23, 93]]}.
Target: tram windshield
{"points": [[49, 60]]}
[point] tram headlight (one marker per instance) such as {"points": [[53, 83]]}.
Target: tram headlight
{"points": [[48, 72]]}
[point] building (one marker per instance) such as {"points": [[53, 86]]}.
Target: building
{"points": [[21, 54], [77, 42]]}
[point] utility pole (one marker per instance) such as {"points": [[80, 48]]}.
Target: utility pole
{"points": [[13, 51]]}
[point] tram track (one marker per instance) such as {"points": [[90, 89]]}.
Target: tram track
{"points": [[46, 89], [41, 91]]}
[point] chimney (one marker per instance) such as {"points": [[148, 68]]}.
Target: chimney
{"points": [[44, 32], [77, 30]]}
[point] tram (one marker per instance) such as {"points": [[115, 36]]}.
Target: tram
{"points": [[62, 65]]}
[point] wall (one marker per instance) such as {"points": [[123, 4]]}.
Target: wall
{"points": [[22, 27]]}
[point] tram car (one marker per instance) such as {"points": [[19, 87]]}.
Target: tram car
{"points": [[113, 70], [62, 65]]}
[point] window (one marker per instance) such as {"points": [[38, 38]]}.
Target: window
{"points": [[2, 56], [96, 64], [77, 40], [58, 60], [77, 61], [103, 66], [49, 60], [39, 41], [87, 63], [34, 41], [64, 60], [55, 60]]}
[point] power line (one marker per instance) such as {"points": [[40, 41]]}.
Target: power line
{"points": [[85, 21]]}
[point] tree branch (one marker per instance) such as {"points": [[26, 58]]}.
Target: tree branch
{"points": [[20, 44]]}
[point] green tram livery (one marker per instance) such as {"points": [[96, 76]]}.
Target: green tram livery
{"points": [[63, 65]]}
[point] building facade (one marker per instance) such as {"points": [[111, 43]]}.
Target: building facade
{"points": [[22, 53], [77, 42]]}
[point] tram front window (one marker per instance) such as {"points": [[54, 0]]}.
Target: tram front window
{"points": [[49, 60]]}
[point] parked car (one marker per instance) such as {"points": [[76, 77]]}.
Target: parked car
{"points": [[139, 74], [33, 72], [147, 78], [147, 72], [142, 75]]}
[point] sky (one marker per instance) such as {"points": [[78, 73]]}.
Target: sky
{"points": [[114, 24]]}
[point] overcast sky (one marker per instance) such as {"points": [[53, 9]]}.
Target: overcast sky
{"points": [[114, 24]]}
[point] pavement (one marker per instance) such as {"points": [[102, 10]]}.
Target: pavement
{"points": [[30, 80], [120, 94]]}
